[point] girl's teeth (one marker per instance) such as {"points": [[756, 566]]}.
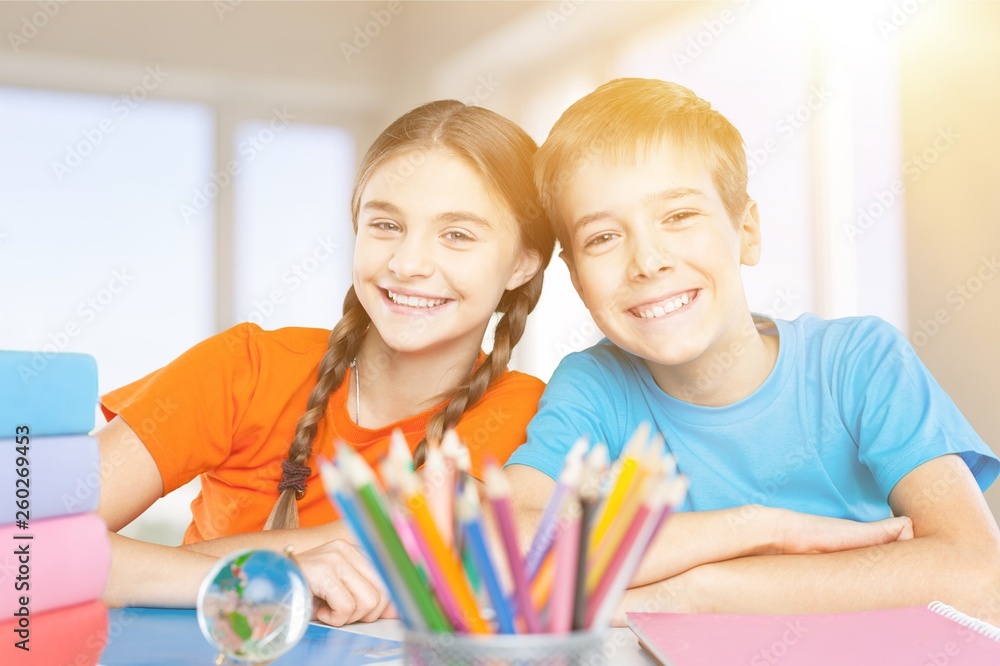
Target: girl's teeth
{"points": [[414, 301], [658, 311], [685, 299], [668, 307]]}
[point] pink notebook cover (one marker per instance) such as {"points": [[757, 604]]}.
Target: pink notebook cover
{"points": [[67, 562], [885, 637]]}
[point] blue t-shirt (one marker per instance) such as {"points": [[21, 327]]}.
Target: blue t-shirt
{"points": [[846, 412]]}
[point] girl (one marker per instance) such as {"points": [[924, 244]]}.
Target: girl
{"points": [[449, 233]]}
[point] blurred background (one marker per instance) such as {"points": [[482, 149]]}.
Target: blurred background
{"points": [[170, 169]]}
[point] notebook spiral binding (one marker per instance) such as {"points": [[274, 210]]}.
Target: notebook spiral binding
{"points": [[958, 616]]}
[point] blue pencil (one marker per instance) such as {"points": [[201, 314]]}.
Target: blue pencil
{"points": [[335, 487], [468, 510]]}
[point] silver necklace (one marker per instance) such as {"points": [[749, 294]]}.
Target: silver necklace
{"points": [[357, 391]]}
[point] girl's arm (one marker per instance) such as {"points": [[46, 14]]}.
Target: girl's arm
{"points": [[690, 539], [145, 574]]}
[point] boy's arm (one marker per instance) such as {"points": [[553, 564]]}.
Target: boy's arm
{"points": [[954, 557], [690, 539]]}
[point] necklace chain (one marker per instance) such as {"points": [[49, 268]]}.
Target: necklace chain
{"points": [[357, 391]]}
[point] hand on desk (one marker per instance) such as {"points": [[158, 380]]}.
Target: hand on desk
{"points": [[346, 586], [803, 533]]}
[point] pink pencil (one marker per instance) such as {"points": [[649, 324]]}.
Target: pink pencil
{"points": [[439, 492], [668, 494], [498, 491], [567, 554]]}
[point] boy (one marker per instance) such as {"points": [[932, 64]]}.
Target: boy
{"points": [[646, 185]]}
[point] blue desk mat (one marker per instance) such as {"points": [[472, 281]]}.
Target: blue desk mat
{"points": [[148, 636]]}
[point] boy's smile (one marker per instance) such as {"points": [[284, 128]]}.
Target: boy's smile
{"points": [[656, 259]]}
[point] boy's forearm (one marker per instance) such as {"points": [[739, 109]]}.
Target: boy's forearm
{"points": [[300, 539], [690, 539], [906, 573], [146, 574]]}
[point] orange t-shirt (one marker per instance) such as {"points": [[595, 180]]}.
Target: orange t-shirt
{"points": [[227, 409]]}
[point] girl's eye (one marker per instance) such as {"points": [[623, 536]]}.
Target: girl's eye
{"points": [[600, 239], [458, 236]]}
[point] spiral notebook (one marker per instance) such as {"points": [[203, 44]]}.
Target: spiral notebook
{"points": [[937, 634]]}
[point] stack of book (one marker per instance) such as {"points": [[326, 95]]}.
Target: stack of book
{"points": [[54, 551]]}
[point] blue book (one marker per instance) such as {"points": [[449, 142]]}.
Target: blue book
{"points": [[64, 475], [51, 393], [148, 636]]}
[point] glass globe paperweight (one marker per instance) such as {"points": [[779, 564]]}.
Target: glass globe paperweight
{"points": [[254, 606]]}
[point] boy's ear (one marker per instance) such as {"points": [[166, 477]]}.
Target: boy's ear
{"points": [[527, 265], [567, 258], [749, 229]]}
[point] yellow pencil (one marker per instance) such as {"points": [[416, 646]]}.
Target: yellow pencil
{"points": [[633, 450]]}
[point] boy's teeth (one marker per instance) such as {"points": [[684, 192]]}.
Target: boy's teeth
{"points": [[666, 308], [414, 301]]}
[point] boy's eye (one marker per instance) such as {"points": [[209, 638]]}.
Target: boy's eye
{"points": [[384, 225], [678, 217], [600, 239]]}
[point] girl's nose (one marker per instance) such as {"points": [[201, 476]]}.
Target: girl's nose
{"points": [[411, 258]]}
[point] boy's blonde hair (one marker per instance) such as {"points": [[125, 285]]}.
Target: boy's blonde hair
{"points": [[624, 117]]}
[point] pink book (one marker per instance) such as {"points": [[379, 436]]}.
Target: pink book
{"points": [[51, 563], [936, 635]]}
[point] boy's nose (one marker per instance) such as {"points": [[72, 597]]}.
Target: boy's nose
{"points": [[649, 260], [411, 258]]}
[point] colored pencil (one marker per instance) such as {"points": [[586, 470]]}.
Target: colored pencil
{"points": [[438, 491], [546, 530], [595, 464], [338, 491], [470, 516], [498, 492], [648, 470], [441, 559], [362, 478], [609, 593], [630, 461], [566, 552]]}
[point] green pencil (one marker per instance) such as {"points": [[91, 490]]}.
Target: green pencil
{"points": [[362, 478]]}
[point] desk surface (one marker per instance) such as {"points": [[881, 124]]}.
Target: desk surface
{"points": [[146, 637]]}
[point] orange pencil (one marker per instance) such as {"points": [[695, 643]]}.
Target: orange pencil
{"points": [[449, 566]]}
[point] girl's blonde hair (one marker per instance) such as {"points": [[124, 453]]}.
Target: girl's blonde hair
{"points": [[501, 152]]}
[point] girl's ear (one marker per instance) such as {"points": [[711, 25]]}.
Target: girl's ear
{"points": [[528, 264], [749, 230]]}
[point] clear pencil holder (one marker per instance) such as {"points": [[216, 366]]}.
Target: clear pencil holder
{"points": [[584, 648]]}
